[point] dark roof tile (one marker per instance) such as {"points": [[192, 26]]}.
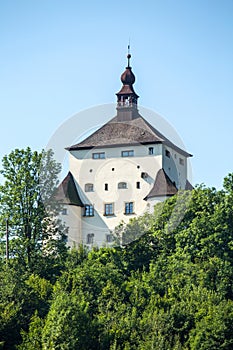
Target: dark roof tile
{"points": [[163, 186], [67, 192]]}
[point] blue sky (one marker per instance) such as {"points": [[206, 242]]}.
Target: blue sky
{"points": [[60, 57]]}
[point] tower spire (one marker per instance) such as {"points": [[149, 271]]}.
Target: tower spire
{"points": [[129, 55], [127, 97]]}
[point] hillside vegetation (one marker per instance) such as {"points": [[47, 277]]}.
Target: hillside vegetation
{"points": [[170, 288]]}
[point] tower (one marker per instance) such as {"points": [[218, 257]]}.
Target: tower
{"points": [[119, 172]]}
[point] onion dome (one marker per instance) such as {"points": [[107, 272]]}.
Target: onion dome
{"points": [[128, 78]]}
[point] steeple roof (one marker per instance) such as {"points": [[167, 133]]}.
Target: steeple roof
{"points": [[67, 192], [128, 127], [125, 133]]}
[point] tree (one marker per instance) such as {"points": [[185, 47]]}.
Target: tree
{"points": [[26, 202]]}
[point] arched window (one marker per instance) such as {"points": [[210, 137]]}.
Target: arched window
{"points": [[122, 185], [89, 187]]}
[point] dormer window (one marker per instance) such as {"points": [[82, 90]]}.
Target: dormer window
{"points": [[122, 185], [89, 187], [127, 153]]}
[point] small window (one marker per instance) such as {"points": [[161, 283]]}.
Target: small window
{"points": [[129, 208], [99, 155], [89, 187], [144, 175], [113, 169], [138, 166], [109, 238], [106, 187], [138, 185], [88, 210], [122, 185], [64, 211], [90, 238], [181, 161], [127, 153], [167, 153], [151, 150], [108, 209]]}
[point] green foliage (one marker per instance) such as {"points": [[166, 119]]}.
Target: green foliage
{"points": [[30, 179], [169, 286]]}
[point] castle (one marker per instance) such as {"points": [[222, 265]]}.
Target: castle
{"points": [[119, 172]]}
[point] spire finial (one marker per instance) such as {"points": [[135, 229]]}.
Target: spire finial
{"points": [[129, 55]]}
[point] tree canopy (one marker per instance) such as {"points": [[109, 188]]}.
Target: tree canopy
{"points": [[169, 289]]}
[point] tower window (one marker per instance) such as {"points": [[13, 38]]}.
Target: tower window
{"points": [[138, 185], [129, 208], [108, 209], [90, 238], [151, 150], [127, 153], [88, 210], [106, 187], [167, 153], [98, 155], [89, 187], [122, 185]]}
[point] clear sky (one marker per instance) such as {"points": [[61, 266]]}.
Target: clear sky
{"points": [[59, 57]]}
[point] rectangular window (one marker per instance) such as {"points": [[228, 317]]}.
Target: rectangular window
{"points": [[181, 161], [88, 210], [89, 188], [129, 208], [127, 153], [98, 155], [122, 185], [108, 209], [106, 187], [138, 184], [151, 150], [64, 211], [167, 153], [109, 238], [90, 238]]}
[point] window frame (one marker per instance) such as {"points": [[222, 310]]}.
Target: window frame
{"points": [[151, 151], [122, 185], [90, 238], [64, 211], [107, 211], [90, 189], [88, 210], [167, 153], [98, 155], [109, 238], [181, 161], [127, 153], [129, 208]]}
